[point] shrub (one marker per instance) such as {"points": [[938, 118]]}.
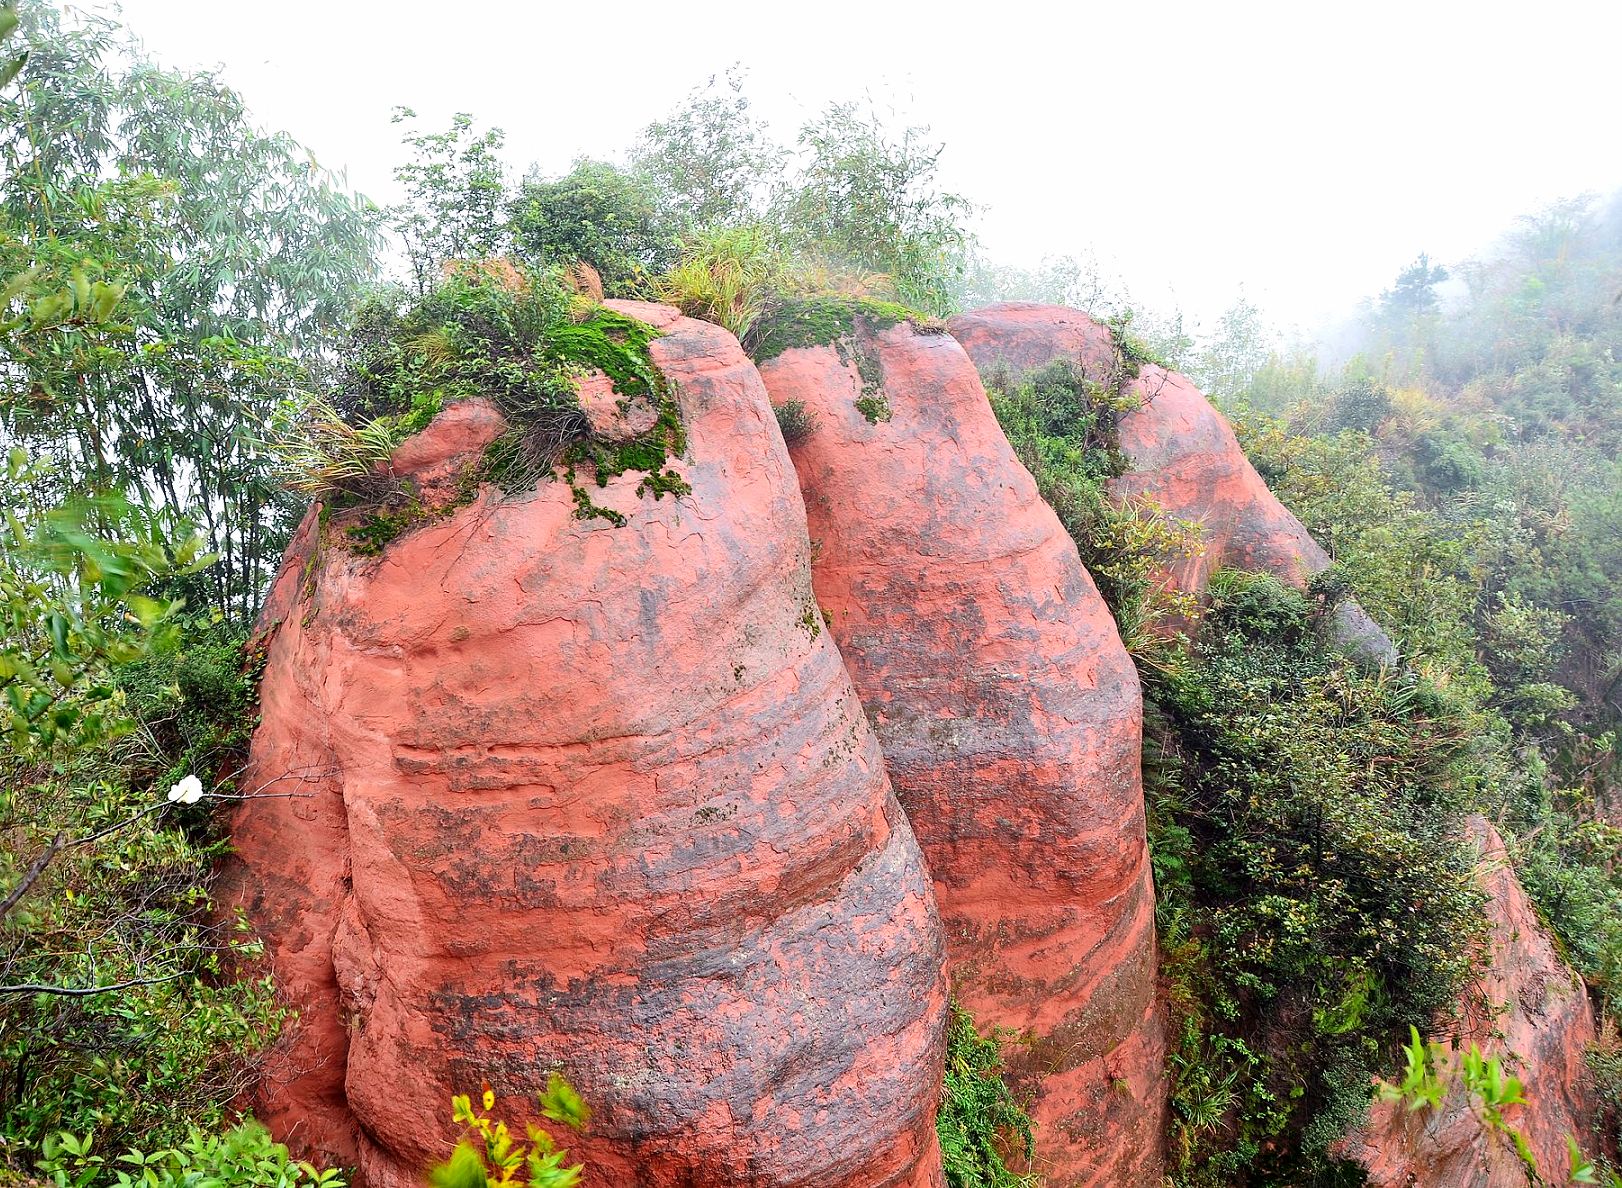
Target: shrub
{"points": [[245, 1157], [491, 1156], [1323, 898], [980, 1123], [796, 421], [114, 1016]]}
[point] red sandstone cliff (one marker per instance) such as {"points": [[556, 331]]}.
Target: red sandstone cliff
{"points": [[1182, 454], [571, 796], [551, 794], [1010, 717]]}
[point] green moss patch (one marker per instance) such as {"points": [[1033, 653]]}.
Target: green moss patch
{"points": [[875, 408], [822, 321]]}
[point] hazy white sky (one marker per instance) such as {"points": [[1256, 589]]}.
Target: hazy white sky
{"points": [[1302, 152]]}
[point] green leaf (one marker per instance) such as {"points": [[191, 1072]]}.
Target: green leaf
{"points": [[464, 1169], [561, 1103]]}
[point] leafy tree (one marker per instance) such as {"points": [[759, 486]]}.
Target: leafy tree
{"points": [[710, 160], [607, 217], [234, 258], [1228, 362], [1414, 293], [455, 193], [114, 1014], [871, 200]]}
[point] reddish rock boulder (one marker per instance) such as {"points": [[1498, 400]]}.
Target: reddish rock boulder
{"points": [[568, 796], [1183, 455], [1010, 718], [1530, 1010]]}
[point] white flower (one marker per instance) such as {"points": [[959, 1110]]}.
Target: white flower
{"points": [[188, 791]]}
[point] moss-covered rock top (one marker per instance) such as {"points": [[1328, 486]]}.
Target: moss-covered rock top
{"points": [[820, 321]]}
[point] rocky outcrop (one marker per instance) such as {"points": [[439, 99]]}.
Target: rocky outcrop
{"points": [[1531, 1011], [1528, 1007], [1182, 455], [1010, 717], [554, 794]]}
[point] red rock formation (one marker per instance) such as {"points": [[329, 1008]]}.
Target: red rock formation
{"points": [[1182, 453], [1010, 718], [1185, 457], [570, 796], [1533, 1012]]}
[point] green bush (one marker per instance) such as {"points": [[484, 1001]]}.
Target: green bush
{"points": [[980, 1123], [1317, 896], [245, 1157], [609, 218], [196, 705], [795, 420], [490, 1157], [116, 1013]]}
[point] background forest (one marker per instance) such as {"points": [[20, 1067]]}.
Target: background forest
{"points": [[200, 327]]}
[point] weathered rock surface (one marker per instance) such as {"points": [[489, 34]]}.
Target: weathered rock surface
{"points": [[569, 796], [1010, 717], [1532, 1011], [1183, 455]]}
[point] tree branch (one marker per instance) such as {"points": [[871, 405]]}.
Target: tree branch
{"points": [[87, 991], [31, 875]]}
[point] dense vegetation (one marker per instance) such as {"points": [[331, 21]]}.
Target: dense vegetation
{"points": [[1315, 897], [194, 340], [1461, 467]]}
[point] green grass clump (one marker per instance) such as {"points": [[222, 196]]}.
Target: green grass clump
{"points": [[726, 276], [980, 1123]]}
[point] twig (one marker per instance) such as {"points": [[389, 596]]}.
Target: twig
{"points": [[87, 991], [32, 874]]}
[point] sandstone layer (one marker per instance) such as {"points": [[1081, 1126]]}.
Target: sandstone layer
{"points": [[1010, 718], [1182, 454], [569, 796]]}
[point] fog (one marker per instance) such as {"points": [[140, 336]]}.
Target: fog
{"points": [[1299, 154]]}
